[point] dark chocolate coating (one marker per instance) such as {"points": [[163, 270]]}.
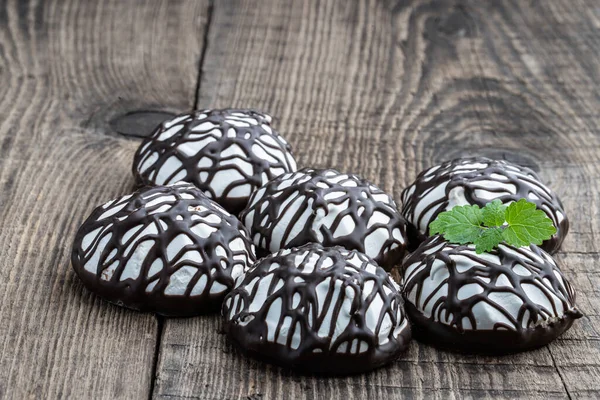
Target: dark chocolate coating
{"points": [[421, 203], [167, 249], [508, 300], [316, 309], [327, 207], [226, 153]]}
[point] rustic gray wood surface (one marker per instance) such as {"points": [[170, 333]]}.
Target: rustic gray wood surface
{"points": [[379, 88]]}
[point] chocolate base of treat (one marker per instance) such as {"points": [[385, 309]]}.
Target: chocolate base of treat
{"points": [[414, 238], [393, 258], [325, 363], [485, 342], [553, 244], [261, 253], [168, 306]]}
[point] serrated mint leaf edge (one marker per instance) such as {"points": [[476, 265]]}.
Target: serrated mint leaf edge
{"points": [[518, 233]]}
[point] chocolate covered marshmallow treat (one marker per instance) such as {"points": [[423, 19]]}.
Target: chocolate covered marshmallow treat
{"points": [[316, 309], [508, 300], [327, 207], [479, 180], [166, 249], [226, 153]]}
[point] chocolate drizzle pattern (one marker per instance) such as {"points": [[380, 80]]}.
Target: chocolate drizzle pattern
{"points": [[478, 181], [507, 300], [327, 207], [318, 309], [226, 153], [167, 249]]}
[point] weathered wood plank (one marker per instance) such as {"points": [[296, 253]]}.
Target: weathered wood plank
{"points": [[384, 89], [66, 69]]}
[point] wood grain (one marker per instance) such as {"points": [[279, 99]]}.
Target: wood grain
{"points": [[385, 89], [66, 69]]}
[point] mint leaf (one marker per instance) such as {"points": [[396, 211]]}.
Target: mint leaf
{"points": [[460, 225], [518, 224], [488, 239], [494, 214], [526, 225]]}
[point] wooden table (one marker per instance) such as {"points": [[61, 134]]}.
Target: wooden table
{"points": [[380, 88]]}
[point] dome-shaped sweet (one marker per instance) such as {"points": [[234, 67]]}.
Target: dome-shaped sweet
{"points": [[507, 300], [167, 249], [478, 181], [318, 309], [327, 207], [226, 153]]}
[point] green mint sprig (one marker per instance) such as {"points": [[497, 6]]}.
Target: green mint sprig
{"points": [[518, 224]]}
